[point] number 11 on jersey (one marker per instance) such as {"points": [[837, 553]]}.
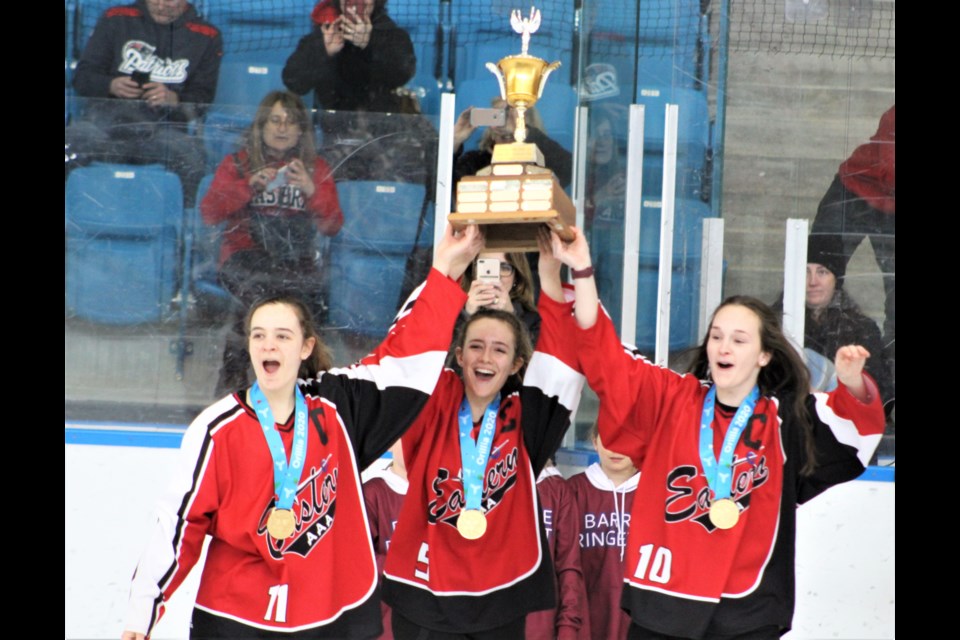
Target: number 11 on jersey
{"points": [[278, 601]]}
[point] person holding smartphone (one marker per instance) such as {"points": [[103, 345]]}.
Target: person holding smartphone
{"points": [[503, 281], [500, 122], [272, 198], [354, 58], [146, 71]]}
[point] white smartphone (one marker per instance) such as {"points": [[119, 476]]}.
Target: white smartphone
{"points": [[488, 117], [488, 270]]}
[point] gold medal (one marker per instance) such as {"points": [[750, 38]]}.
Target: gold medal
{"points": [[724, 513], [472, 524], [281, 524]]}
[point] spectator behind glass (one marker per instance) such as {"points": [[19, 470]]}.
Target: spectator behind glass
{"points": [[555, 157], [513, 292], [833, 318], [861, 203], [354, 59], [150, 64], [383, 495], [606, 177], [272, 197], [568, 620]]}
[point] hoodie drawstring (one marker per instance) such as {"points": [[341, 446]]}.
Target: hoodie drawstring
{"points": [[620, 510]]}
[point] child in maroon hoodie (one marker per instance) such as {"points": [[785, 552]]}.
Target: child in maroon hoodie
{"points": [[383, 495], [604, 497], [568, 620]]}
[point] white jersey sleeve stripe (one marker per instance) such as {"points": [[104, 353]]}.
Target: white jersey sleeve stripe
{"points": [[420, 371], [554, 378], [845, 431]]}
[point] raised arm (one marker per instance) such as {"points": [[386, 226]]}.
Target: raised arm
{"points": [[552, 384], [634, 394], [387, 389], [847, 425], [576, 255], [850, 361], [392, 60]]}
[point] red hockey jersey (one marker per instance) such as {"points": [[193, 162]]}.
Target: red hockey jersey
{"points": [[325, 574], [434, 576], [684, 576]]}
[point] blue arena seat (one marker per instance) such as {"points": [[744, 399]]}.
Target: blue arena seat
{"points": [[368, 256], [123, 231], [86, 15], [262, 26], [223, 130], [202, 250], [246, 77]]}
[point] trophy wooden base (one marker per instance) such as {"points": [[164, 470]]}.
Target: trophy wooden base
{"points": [[510, 213], [507, 232]]}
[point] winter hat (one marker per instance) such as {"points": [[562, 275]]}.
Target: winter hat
{"points": [[325, 12], [827, 250]]}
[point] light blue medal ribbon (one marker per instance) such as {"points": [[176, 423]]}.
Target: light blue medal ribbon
{"points": [[474, 455], [286, 476], [719, 470]]}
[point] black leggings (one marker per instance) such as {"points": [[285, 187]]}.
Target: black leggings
{"points": [[405, 629]]}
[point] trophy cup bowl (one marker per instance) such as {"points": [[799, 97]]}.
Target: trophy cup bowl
{"points": [[524, 78]]}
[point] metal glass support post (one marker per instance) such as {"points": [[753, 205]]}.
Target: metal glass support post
{"points": [[444, 166], [667, 204], [580, 163], [795, 280], [631, 225], [711, 271]]}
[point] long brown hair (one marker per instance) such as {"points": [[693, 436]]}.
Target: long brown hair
{"points": [[784, 375], [305, 149], [320, 358]]}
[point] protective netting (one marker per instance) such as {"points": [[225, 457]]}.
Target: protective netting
{"points": [[644, 28], [840, 28]]}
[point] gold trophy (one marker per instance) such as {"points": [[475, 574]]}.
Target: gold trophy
{"points": [[516, 193]]}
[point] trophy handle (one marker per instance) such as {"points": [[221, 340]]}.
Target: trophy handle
{"points": [[495, 70], [550, 68]]}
